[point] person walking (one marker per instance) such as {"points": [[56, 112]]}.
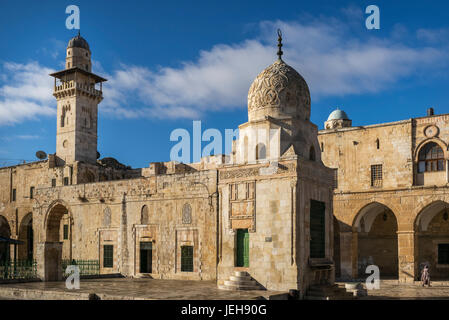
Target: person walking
{"points": [[425, 276]]}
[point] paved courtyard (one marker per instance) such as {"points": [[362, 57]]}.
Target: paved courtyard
{"points": [[392, 290], [126, 288]]}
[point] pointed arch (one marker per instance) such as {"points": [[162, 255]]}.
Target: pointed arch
{"points": [[376, 228]]}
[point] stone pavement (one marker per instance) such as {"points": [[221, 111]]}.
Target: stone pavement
{"points": [[127, 288], [157, 289], [392, 290]]}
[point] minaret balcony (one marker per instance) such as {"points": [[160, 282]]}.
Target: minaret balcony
{"points": [[72, 87]]}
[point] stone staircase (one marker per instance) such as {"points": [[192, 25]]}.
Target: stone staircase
{"points": [[328, 292], [241, 280]]}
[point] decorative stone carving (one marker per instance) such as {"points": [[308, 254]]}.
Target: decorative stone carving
{"points": [[242, 206], [253, 172], [281, 90], [431, 131], [242, 173]]}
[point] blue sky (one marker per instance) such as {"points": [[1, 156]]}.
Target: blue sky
{"points": [[171, 62]]}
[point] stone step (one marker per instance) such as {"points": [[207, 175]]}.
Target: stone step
{"points": [[239, 287], [235, 278], [240, 283], [241, 274], [241, 280]]}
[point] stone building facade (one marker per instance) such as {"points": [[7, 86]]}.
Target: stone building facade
{"points": [[266, 208], [391, 198]]}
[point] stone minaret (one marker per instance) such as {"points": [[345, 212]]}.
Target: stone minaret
{"points": [[78, 92]]}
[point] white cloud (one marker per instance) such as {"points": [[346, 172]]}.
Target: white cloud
{"points": [[336, 58], [21, 137], [331, 58], [433, 36], [26, 93]]}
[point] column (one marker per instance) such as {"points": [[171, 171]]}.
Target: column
{"points": [[406, 256]]}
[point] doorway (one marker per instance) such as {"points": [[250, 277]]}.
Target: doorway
{"points": [[146, 257], [242, 248]]}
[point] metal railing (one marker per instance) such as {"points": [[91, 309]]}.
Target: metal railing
{"points": [[87, 267], [19, 269]]}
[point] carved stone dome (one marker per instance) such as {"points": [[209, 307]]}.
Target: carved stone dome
{"points": [[279, 91]]}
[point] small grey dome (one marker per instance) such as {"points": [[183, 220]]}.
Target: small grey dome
{"points": [[78, 42], [338, 115]]}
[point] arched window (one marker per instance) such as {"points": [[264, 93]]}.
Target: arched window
{"points": [[63, 117], [187, 214], [431, 158], [261, 151], [312, 155], [144, 215], [107, 217]]}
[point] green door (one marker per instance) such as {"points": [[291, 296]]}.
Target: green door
{"points": [[242, 248], [187, 258]]}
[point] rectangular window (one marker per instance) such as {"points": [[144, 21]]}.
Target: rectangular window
{"points": [[66, 181], [53, 182], [13, 196], [66, 231], [317, 229], [108, 256], [31, 192], [443, 253], [376, 175], [187, 258]]}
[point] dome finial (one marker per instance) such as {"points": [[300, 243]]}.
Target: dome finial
{"points": [[280, 44]]}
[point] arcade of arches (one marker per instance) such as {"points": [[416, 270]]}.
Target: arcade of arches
{"points": [[5, 233], [26, 248], [400, 240], [57, 242]]}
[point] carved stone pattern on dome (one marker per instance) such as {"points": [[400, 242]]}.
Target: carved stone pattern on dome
{"points": [[278, 83]]}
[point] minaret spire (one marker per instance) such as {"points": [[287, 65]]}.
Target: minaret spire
{"points": [[280, 53]]}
